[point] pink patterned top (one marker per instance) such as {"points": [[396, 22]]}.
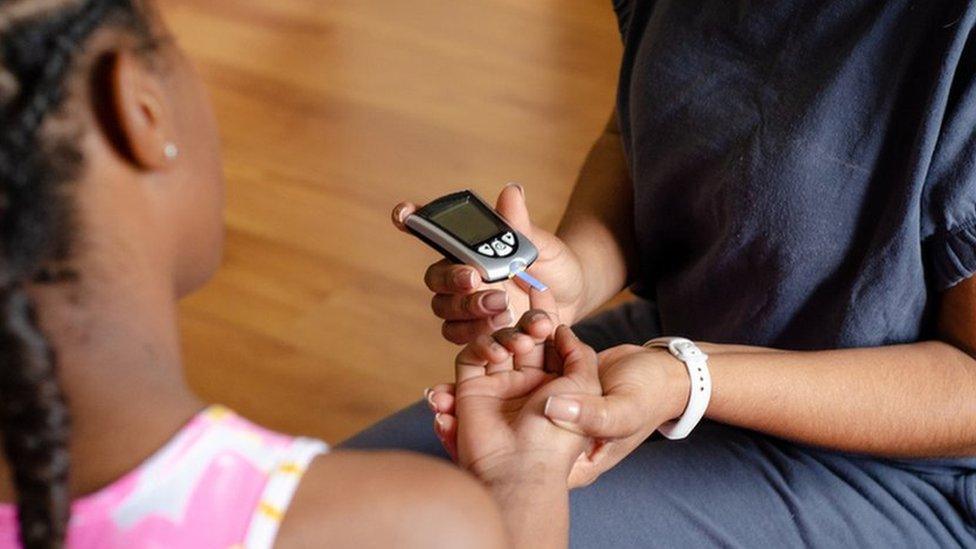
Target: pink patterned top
{"points": [[221, 482]]}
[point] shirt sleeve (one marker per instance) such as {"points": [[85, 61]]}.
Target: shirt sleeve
{"points": [[949, 198], [624, 10]]}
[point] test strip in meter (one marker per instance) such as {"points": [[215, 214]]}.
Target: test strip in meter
{"points": [[531, 280]]}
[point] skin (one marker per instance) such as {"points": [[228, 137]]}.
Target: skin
{"points": [[150, 232], [907, 401], [503, 435]]}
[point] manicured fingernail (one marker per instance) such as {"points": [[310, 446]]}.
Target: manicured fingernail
{"points": [[464, 279], [398, 213], [520, 188], [429, 397], [503, 320], [496, 301], [562, 409], [441, 422]]}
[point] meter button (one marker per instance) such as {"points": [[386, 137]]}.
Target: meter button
{"points": [[502, 248], [508, 238], [485, 249]]}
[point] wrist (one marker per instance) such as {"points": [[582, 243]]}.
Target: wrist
{"points": [[519, 471], [678, 386]]}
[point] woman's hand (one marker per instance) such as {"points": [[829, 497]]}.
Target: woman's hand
{"points": [[470, 307], [642, 388]]}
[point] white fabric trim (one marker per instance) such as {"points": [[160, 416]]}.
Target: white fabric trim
{"points": [[278, 493]]}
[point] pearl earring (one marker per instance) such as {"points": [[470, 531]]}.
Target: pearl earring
{"points": [[171, 151]]}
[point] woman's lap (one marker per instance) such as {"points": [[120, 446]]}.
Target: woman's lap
{"points": [[731, 487]]}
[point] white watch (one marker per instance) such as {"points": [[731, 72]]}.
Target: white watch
{"points": [[696, 362]]}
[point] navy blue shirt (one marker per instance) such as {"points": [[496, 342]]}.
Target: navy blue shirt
{"points": [[804, 171]]}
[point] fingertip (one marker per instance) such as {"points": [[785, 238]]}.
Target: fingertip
{"points": [[490, 349], [400, 213], [537, 324], [465, 278], [523, 343]]}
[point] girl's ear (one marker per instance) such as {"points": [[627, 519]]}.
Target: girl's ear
{"points": [[138, 111]]}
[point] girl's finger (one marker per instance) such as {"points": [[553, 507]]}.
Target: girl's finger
{"points": [[445, 426], [442, 403], [469, 364], [537, 324], [440, 398], [481, 357]]}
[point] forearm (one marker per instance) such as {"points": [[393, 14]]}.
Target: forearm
{"points": [[598, 223], [535, 508], [899, 401]]}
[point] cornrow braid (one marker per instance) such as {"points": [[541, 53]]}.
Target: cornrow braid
{"points": [[39, 43]]}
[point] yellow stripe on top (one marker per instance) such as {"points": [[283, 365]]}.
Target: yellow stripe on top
{"points": [[291, 468], [270, 511], [217, 412]]}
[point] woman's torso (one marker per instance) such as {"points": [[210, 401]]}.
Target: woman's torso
{"points": [[221, 482], [801, 169]]}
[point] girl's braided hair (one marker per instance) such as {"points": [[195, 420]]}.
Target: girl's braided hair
{"points": [[40, 45]]}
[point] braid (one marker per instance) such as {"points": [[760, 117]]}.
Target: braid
{"points": [[39, 43], [35, 422]]}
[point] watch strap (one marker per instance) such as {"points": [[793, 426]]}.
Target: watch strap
{"points": [[696, 362]]}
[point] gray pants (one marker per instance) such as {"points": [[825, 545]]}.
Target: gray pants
{"points": [[731, 487]]}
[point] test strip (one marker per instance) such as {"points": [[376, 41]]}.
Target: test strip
{"points": [[531, 280]]}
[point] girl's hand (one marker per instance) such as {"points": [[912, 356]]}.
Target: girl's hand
{"points": [[470, 307], [502, 385], [642, 388]]}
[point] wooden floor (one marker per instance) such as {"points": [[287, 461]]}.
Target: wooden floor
{"points": [[331, 112]]}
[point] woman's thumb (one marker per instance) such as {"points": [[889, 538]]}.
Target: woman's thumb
{"points": [[511, 205], [602, 417]]}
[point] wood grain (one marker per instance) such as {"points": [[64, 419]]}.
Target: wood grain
{"points": [[332, 111]]}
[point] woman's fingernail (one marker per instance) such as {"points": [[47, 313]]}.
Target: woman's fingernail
{"points": [[562, 409], [441, 422], [398, 213], [429, 397], [464, 279], [520, 188], [503, 320], [496, 301]]}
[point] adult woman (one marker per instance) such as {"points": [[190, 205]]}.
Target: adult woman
{"points": [[797, 177]]}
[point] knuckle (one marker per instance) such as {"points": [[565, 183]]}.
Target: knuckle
{"points": [[602, 419], [472, 304]]}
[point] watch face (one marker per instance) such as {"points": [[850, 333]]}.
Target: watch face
{"points": [[468, 220]]}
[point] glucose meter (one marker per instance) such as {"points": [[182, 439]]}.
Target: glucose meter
{"points": [[467, 230]]}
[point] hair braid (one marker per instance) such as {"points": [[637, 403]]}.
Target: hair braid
{"points": [[35, 423], [37, 54]]}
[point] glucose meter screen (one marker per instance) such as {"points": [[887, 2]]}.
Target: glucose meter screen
{"points": [[467, 221]]}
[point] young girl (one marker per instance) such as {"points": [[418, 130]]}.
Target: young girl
{"points": [[110, 210]]}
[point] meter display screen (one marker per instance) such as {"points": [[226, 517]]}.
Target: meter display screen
{"points": [[468, 221]]}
